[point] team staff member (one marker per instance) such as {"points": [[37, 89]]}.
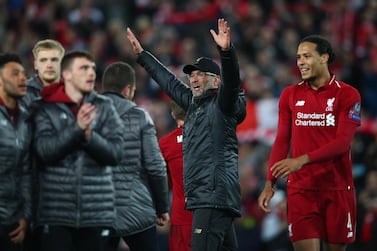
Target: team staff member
{"points": [[47, 55], [78, 137], [140, 180], [171, 148], [214, 107], [15, 131], [318, 118]]}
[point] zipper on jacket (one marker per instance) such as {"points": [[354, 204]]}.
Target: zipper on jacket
{"points": [[79, 189], [17, 143]]}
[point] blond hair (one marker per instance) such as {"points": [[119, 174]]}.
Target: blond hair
{"points": [[48, 44]]}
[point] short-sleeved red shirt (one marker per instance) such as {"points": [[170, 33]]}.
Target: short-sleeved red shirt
{"points": [[171, 148], [320, 123]]}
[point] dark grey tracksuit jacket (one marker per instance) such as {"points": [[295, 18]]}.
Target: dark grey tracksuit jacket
{"points": [[15, 178], [75, 186], [140, 179], [34, 86]]}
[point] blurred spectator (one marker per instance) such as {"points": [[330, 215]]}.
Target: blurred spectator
{"points": [[86, 17], [274, 225], [368, 211], [260, 102], [369, 88]]}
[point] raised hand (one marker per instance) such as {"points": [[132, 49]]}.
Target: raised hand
{"points": [[136, 47], [222, 39]]}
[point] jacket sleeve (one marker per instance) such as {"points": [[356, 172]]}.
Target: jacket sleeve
{"points": [[174, 88], [106, 146], [155, 165], [50, 146], [231, 82]]}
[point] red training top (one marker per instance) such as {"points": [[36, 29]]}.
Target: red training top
{"points": [[171, 148]]}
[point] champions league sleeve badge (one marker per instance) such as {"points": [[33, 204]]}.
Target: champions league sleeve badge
{"points": [[355, 113]]}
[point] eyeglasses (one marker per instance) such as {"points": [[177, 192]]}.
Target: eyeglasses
{"points": [[200, 74]]}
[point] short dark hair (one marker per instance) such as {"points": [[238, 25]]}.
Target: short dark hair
{"points": [[9, 57], [116, 76], [323, 46], [70, 56], [177, 111]]}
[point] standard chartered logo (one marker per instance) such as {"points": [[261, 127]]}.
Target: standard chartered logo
{"points": [[330, 120], [314, 119]]}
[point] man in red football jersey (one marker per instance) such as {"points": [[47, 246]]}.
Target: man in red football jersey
{"points": [[171, 149], [318, 118]]}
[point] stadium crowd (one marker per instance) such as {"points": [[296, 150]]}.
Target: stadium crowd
{"points": [[265, 35]]}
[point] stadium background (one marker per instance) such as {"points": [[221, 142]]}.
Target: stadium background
{"points": [[265, 33]]}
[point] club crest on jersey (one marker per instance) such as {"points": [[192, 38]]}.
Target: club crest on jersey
{"points": [[300, 102], [330, 105], [355, 112]]}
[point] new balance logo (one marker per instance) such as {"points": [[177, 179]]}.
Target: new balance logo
{"points": [[198, 231], [300, 102], [179, 139], [105, 232]]}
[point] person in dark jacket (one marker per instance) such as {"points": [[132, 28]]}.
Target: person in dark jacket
{"points": [[214, 106], [140, 179], [78, 137], [47, 55], [15, 131]]}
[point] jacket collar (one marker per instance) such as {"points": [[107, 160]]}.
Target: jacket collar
{"points": [[35, 82], [206, 95]]}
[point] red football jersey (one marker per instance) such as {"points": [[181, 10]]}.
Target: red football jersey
{"points": [[171, 148], [320, 123]]}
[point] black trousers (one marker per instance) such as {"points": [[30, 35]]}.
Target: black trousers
{"points": [[32, 240], [60, 238], [5, 242], [213, 230], [142, 241]]}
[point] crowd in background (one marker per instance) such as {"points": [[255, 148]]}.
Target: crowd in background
{"points": [[265, 34]]}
